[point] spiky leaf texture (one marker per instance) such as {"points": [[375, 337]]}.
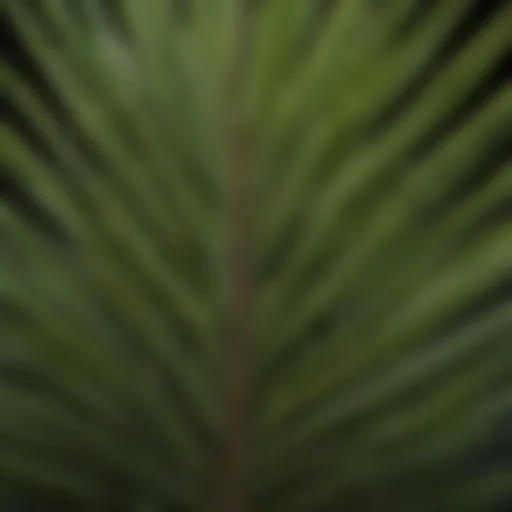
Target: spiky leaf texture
{"points": [[265, 292]]}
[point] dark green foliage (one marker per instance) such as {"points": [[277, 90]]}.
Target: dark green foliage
{"points": [[255, 258]]}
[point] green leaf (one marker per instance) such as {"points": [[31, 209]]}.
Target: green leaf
{"points": [[270, 270]]}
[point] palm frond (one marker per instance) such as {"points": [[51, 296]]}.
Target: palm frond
{"points": [[266, 292]]}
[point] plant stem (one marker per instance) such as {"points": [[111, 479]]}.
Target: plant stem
{"points": [[234, 454]]}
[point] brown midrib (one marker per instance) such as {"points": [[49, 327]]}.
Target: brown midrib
{"points": [[234, 455], [237, 377]]}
